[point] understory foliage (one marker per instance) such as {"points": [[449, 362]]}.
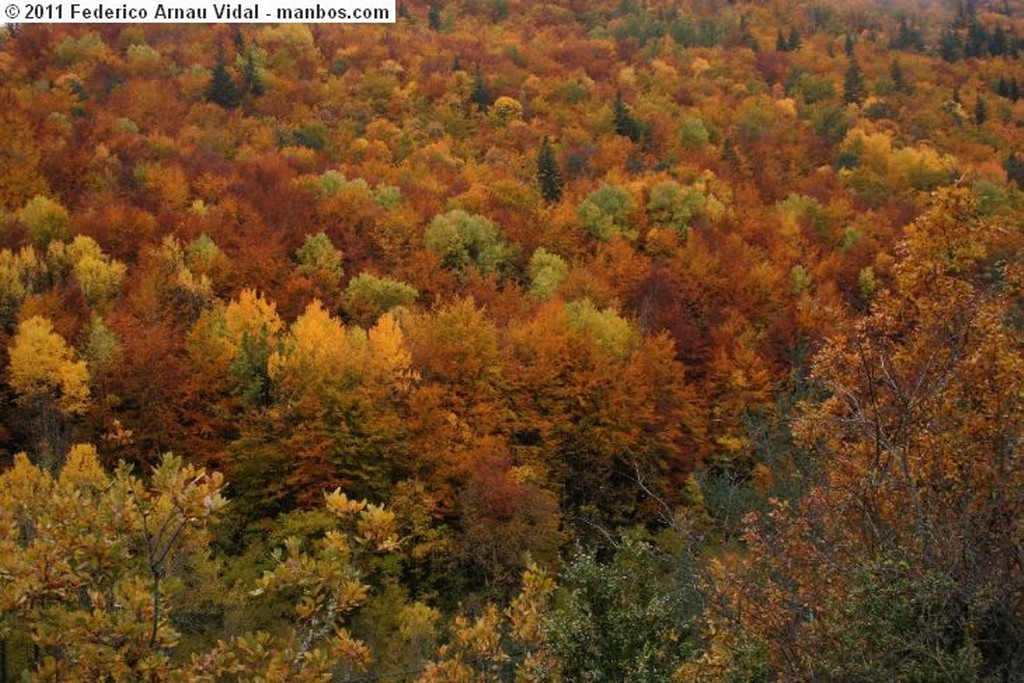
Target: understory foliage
{"points": [[669, 340]]}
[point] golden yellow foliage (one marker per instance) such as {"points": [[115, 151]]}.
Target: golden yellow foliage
{"points": [[44, 366]]}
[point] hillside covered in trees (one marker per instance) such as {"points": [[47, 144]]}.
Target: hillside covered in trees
{"points": [[627, 340]]}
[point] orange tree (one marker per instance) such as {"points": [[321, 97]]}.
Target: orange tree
{"points": [[904, 560]]}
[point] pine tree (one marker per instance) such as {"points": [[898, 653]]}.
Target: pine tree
{"points": [[908, 38], [1003, 88], [977, 40], [949, 46], [854, 90], [434, 16], [781, 45], [980, 110], [480, 94], [729, 154], [898, 80], [794, 40], [625, 123], [997, 42], [1014, 166], [222, 89], [902, 41], [746, 38], [251, 77], [548, 174], [848, 45]]}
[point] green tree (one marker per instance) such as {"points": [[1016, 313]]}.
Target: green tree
{"points": [[1014, 166], [469, 240], [628, 619], [222, 89], [899, 81], [672, 205], [854, 89], [793, 43], [368, 297], [950, 46], [318, 255], [251, 78], [45, 220], [549, 176], [607, 211], [625, 123], [480, 95], [547, 272], [998, 43], [434, 15]]}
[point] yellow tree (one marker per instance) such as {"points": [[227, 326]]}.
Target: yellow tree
{"points": [[95, 564], [98, 568], [51, 384]]}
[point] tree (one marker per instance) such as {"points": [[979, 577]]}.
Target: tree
{"points": [[549, 176], [907, 38], [316, 352], [95, 565], [950, 46], [977, 41], [480, 95], [919, 482], [51, 384], [434, 15], [980, 110], [607, 211], [98, 275], [854, 89], [998, 44], [465, 240], [20, 176], [222, 89], [318, 255], [251, 78], [547, 272], [367, 297], [45, 220], [100, 569], [628, 619], [1014, 166], [1003, 87], [595, 436], [624, 121], [898, 79], [781, 44], [673, 206], [793, 44], [500, 645]]}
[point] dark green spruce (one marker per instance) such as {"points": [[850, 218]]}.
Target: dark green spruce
{"points": [[548, 174]]}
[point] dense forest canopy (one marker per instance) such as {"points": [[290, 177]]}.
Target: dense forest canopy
{"points": [[626, 340]]}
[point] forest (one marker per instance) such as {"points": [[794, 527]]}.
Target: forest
{"points": [[613, 340]]}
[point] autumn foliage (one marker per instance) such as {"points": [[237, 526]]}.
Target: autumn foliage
{"points": [[452, 324]]}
